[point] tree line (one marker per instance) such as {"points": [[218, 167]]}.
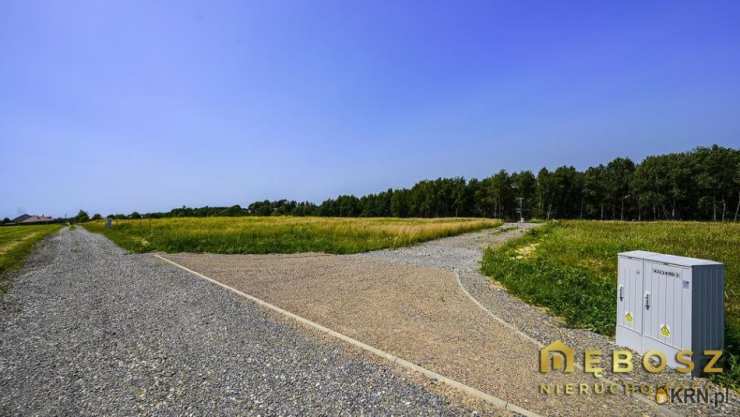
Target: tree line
{"points": [[702, 184]]}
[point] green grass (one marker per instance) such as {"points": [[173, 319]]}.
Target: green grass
{"points": [[570, 267], [16, 243], [278, 234]]}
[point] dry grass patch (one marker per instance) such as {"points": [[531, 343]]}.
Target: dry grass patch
{"points": [[281, 234], [16, 243]]}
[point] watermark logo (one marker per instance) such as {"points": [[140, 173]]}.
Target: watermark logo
{"points": [[557, 355], [691, 395], [661, 395]]}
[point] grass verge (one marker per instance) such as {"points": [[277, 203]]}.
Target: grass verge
{"points": [[278, 234], [570, 267], [16, 243]]}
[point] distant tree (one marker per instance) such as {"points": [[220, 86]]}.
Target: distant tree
{"points": [[503, 194], [594, 191], [715, 169], [647, 187], [618, 181], [328, 208], [461, 201], [422, 202], [566, 186], [81, 217], [546, 193], [679, 183], [232, 211], [347, 206], [524, 186], [399, 203], [472, 190], [658, 183], [260, 208], [484, 199], [97, 216], [724, 169], [7, 220], [134, 215], [304, 208], [376, 205]]}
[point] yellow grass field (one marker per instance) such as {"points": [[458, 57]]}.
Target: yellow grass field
{"points": [[281, 234], [16, 243]]}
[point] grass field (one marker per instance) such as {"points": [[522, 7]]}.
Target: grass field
{"points": [[280, 234], [16, 243], [571, 268]]}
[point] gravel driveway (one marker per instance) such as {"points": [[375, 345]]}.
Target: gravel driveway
{"points": [[89, 330], [416, 312]]}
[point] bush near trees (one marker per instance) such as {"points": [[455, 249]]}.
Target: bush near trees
{"points": [[703, 184], [81, 217]]}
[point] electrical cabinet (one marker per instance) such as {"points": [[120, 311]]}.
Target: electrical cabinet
{"points": [[670, 303]]}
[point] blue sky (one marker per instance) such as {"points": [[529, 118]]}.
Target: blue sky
{"points": [[143, 105]]}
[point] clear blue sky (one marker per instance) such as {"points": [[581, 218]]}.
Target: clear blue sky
{"points": [[150, 105]]}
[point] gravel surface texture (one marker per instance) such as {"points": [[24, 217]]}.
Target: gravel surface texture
{"points": [[89, 330], [462, 254], [418, 313]]}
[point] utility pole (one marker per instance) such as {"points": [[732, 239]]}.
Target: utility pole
{"points": [[520, 210]]}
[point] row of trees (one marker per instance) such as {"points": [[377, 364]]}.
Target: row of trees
{"points": [[703, 184], [187, 212], [81, 217]]}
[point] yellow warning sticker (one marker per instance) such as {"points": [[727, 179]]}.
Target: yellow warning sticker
{"points": [[665, 331], [628, 317]]}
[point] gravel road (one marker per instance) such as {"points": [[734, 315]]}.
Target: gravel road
{"points": [[462, 254], [89, 330]]}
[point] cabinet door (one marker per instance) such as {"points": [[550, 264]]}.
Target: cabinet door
{"points": [[629, 294], [668, 292]]}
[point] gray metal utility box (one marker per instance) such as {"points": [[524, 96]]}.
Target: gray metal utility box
{"points": [[670, 303]]}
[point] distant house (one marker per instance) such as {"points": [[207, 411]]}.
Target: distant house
{"points": [[32, 218]]}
